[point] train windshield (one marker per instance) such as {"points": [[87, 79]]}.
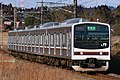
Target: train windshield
{"points": [[91, 36]]}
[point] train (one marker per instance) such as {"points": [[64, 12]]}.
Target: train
{"points": [[78, 43]]}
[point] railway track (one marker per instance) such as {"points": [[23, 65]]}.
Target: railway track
{"points": [[86, 76]]}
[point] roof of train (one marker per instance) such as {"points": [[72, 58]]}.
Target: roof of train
{"points": [[51, 25]]}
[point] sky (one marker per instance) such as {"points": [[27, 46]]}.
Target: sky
{"points": [[86, 3]]}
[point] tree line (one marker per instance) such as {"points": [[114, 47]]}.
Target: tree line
{"points": [[104, 13]]}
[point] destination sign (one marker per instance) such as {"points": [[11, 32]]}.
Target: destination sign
{"points": [[91, 28]]}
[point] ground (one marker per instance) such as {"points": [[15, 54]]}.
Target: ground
{"points": [[14, 69]]}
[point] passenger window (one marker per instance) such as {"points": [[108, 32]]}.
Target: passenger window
{"points": [[36, 39], [64, 40], [29, 41], [13, 39], [24, 39], [32, 39], [46, 38], [58, 39], [41, 39], [52, 39]]}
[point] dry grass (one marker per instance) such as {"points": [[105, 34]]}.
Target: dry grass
{"points": [[114, 40], [24, 70]]}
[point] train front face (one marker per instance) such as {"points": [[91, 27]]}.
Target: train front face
{"points": [[90, 46]]}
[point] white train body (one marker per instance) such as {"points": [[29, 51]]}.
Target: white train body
{"points": [[96, 48], [85, 44]]}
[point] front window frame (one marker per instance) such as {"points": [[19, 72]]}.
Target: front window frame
{"points": [[101, 45]]}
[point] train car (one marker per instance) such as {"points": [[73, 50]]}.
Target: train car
{"points": [[85, 46], [90, 46]]}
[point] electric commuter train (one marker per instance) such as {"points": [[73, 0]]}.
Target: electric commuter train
{"points": [[85, 46]]}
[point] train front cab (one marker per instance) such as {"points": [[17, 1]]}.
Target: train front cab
{"points": [[90, 46]]}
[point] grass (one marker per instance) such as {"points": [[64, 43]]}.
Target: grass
{"points": [[24, 70]]}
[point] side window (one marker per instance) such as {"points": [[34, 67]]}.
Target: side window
{"points": [[69, 37], [41, 39], [29, 41], [13, 39], [58, 39], [25, 39], [61, 39], [64, 39], [46, 38], [19, 39], [52, 39], [33, 41], [36, 39], [9, 39], [22, 39], [49, 38]]}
